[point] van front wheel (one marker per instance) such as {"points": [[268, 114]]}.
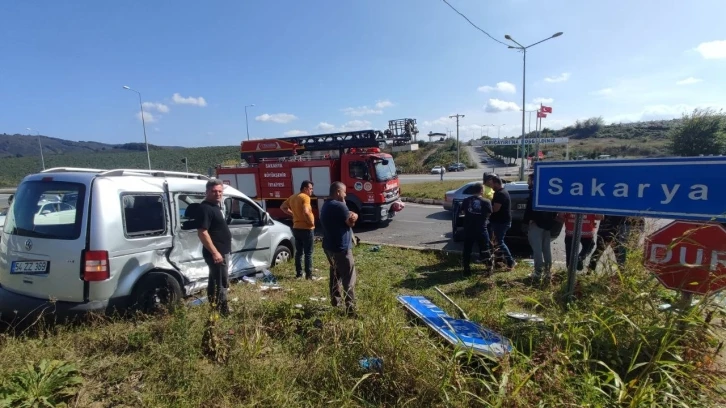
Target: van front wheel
{"points": [[156, 292]]}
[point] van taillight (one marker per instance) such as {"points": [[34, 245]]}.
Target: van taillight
{"points": [[95, 266]]}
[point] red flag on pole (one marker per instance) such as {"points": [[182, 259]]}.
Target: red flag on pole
{"points": [[541, 115], [546, 109]]}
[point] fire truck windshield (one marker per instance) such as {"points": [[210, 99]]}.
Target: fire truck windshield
{"points": [[385, 172]]}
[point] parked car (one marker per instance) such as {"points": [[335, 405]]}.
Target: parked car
{"points": [[456, 167], [437, 170], [3, 213], [129, 243], [518, 192]]}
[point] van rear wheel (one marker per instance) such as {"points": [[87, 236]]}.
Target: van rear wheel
{"points": [[156, 292]]}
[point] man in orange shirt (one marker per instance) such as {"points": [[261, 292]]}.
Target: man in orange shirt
{"points": [[303, 227]]}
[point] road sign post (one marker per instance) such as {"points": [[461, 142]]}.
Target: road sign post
{"points": [[574, 253]]}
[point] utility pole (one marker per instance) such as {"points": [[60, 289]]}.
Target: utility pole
{"points": [[457, 116]]}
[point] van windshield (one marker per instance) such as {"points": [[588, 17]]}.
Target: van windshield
{"points": [[46, 209], [385, 172]]}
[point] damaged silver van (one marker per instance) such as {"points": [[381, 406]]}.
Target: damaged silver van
{"points": [[120, 239]]}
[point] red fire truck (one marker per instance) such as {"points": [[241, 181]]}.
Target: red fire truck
{"points": [[273, 169]]}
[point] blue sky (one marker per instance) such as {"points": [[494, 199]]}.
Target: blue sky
{"points": [[317, 66]]}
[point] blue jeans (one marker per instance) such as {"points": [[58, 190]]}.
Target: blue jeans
{"points": [[304, 239], [499, 229]]}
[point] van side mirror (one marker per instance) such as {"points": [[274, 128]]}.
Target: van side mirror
{"points": [[385, 162]]}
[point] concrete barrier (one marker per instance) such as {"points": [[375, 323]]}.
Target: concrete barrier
{"points": [[428, 201]]}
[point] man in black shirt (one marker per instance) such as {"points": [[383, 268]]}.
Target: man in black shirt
{"points": [[217, 241], [476, 212], [501, 219]]}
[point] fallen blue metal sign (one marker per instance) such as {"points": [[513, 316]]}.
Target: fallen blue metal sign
{"points": [[464, 333], [692, 188]]}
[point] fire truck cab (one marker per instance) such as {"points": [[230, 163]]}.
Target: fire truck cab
{"points": [[273, 169]]}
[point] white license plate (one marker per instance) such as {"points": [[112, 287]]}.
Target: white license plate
{"points": [[521, 206], [29, 267]]}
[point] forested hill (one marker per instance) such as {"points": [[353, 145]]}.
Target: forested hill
{"points": [[596, 128], [27, 145]]}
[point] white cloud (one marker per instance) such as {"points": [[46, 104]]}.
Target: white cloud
{"points": [[442, 121], [689, 81], [155, 106], [276, 117], [712, 49], [190, 100], [506, 87], [543, 100], [325, 126], [498, 105], [384, 104], [292, 133], [559, 78], [357, 125], [361, 111], [603, 92], [148, 117]]}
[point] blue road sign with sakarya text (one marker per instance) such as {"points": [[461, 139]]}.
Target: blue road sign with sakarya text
{"points": [[692, 188]]}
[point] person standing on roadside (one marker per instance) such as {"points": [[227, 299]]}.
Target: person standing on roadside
{"points": [[337, 221], [614, 231], [441, 173], [501, 219], [586, 238], [476, 212], [488, 191], [303, 227], [539, 223], [216, 240]]}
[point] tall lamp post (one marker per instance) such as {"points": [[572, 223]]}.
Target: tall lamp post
{"points": [[143, 123], [40, 145], [524, 81], [499, 129], [246, 123]]}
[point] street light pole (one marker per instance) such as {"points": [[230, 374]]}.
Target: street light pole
{"points": [[246, 123], [524, 84], [40, 145], [457, 116], [499, 129], [143, 123]]}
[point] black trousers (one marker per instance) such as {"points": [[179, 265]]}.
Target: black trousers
{"points": [[304, 240], [483, 244], [586, 245], [218, 284]]}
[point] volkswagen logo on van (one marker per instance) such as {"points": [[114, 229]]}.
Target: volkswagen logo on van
{"points": [[28, 245]]}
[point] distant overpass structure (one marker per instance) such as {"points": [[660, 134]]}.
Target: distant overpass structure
{"points": [[536, 141], [432, 135]]}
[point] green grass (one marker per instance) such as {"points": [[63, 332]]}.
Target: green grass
{"points": [[428, 155], [431, 189], [611, 348]]}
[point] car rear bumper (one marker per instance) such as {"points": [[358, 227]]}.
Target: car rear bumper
{"points": [[14, 308]]}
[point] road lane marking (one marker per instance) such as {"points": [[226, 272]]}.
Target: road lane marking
{"points": [[419, 222]]}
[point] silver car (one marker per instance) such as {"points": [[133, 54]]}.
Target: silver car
{"points": [[121, 239]]}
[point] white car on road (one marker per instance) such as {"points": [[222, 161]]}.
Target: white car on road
{"points": [[437, 170]]}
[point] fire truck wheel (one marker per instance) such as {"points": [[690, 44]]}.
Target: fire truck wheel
{"points": [[352, 207]]}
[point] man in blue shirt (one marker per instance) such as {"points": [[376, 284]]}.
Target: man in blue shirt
{"points": [[337, 221]]}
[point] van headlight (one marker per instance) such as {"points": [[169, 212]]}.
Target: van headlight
{"points": [[383, 212]]}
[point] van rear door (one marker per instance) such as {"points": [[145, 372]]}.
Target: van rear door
{"points": [[43, 240]]}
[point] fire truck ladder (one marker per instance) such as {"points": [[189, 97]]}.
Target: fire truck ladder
{"points": [[339, 141]]}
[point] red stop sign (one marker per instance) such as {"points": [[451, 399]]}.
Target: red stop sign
{"points": [[688, 256]]}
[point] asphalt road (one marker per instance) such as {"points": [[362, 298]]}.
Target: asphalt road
{"points": [[429, 226], [476, 155]]}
